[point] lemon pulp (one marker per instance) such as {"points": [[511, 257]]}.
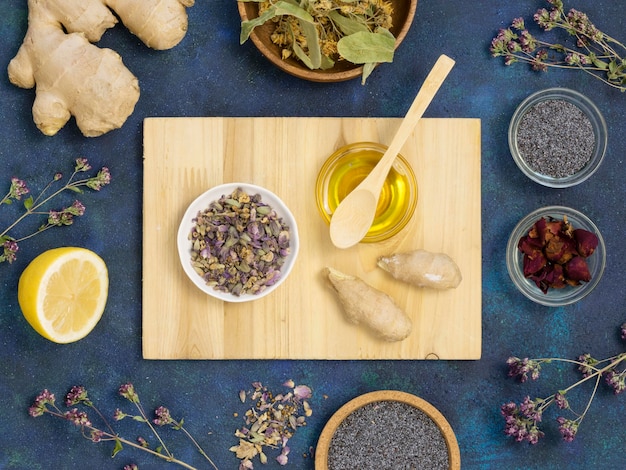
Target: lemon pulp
{"points": [[63, 292]]}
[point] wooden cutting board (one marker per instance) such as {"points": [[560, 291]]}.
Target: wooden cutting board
{"points": [[302, 319]]}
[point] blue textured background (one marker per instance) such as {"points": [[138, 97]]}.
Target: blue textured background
{"points": [[210, 74]]}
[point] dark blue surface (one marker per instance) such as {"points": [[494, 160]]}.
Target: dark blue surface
{"points": [[210, 74]]}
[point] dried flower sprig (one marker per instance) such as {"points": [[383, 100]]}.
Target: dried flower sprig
{"points": [[34, 205], [271, 422], [594, 52], [522, 420], [45, 403]]}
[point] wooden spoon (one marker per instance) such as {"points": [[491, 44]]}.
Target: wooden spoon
{"points": [[354, 215]]}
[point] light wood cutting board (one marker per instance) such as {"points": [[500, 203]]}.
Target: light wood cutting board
{"points": [[302, 319]]}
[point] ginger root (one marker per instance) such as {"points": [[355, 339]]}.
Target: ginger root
{"points": [[76, 78], [364, 304], [422, 268]]}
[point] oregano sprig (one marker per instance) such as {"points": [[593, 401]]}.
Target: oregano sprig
{"points": [[35, 205], [45, 404], [523, 420], [591, 51]]}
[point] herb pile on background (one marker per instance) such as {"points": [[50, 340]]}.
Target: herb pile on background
{"points": [[522, 420], [593, 51], [271, 422], [322, 32], [34, 205]]}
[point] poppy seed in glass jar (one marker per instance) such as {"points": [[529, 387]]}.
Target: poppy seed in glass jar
{"points": [[555, 138]]}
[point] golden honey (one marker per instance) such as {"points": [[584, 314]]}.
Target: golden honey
{"points": [[348, 166]]}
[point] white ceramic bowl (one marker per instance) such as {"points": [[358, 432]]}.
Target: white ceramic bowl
{"points": [[201, 203]]}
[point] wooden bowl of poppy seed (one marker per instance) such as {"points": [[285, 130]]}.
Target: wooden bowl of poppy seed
{"points": [[387, 429], [403, 12]]}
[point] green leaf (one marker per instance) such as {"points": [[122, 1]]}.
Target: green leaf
{"points": [[367, 70], [597, 62], [312, 39], [306, 60], [76, 189], [363, 48], [278, 9], [387, 33], [28, 202], [248, 25], [347, 25], [327, 63], [141, 419], [118, 448]]}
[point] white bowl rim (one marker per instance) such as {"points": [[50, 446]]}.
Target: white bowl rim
{"points": [[202, 202]]}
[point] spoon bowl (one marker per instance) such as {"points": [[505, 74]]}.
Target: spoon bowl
{"points": [[347, 166], [353, 217]]}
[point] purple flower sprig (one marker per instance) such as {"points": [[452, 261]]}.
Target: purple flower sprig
{"points": [[35, 205], [592, 51], [45, 403], [522, 421]]}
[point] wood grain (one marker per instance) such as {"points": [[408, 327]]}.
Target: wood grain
{"points": [[302, 319]]}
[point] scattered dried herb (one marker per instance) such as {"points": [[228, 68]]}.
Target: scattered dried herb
{"points": [[271, 422], [555, 254], [239, 244], [556, 138], [322, 32]]}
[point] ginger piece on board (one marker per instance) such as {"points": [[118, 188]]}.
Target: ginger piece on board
{"points": [[366, 305], [422, 268]]}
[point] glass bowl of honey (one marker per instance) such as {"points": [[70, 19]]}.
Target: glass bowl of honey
{"points": [[347, 167]]}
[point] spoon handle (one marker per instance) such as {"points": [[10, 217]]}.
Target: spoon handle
{"points": [[354, 215], [427, 92]]}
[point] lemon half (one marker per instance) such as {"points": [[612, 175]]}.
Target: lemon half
{"points": [[63, 292]]}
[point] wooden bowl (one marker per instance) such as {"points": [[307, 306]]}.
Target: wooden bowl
{"points": [[403, 14], [323, 445]]}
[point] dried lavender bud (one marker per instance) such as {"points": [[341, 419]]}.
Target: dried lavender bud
{"points": [[555, 138], [271, 422], [239, 244]]}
